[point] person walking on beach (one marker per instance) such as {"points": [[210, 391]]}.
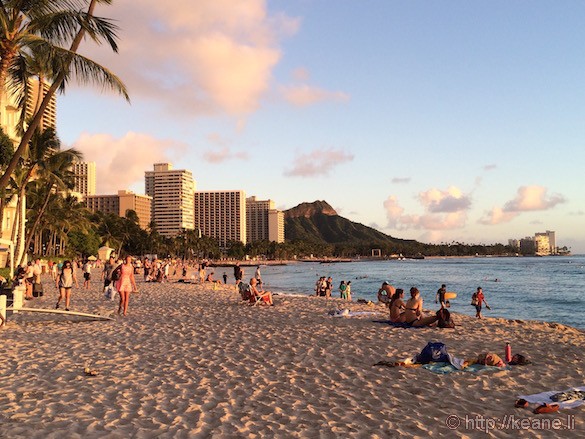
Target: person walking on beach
{"points": [[238, 274], [86, 274], [480, 299], [126, 284], [107, 272], [64, 283], [342, 288], [225, 277], [258, 276]]}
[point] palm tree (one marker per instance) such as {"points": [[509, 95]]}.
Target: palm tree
{"points": [[53, 171], [32, 36]]}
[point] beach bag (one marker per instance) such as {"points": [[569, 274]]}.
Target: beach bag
{"points": [[433, 352], [117, 273], [37, 290], [474, 301], [109, 292], [444, 319]]}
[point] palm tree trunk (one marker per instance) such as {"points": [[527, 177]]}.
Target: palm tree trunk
{"points": [[19, 247], [36, 120], [33, 229]]}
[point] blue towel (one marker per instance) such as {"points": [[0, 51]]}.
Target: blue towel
{"points": [[443, 368]]}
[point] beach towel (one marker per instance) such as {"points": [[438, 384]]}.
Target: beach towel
{"points": [[398, 324], [444, 368], [347, 313], [549, 398]]}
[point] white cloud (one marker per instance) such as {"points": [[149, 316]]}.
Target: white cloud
{"points": [[197, 57], [444, 210], [318, 163], [449, 201], [121, 162], [528, 198], [220, 155], [531, 198], [304, 95]]}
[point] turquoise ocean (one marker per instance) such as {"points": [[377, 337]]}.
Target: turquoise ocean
{"points": [[550, 289]]}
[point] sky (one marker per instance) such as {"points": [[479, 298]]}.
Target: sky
{"points": [[438, 121]]}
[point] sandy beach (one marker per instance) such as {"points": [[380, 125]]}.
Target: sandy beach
{"points": [[193, 361]]}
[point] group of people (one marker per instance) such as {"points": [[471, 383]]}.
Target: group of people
{"points": [[410, 312], [324, 288]]}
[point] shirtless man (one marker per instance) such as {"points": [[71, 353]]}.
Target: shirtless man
{"points": [[386, 292]]}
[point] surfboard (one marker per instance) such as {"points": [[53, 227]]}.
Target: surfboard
{"points": [[450, 295], [58, 311]]}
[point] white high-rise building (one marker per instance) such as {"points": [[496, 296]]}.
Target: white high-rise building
{"points": [[85, 178], [10, 112], [263, 221], [172, 193], [221, 215]]}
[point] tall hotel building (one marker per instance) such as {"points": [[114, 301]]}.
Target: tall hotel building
{"points": [[121, 203], [263, 221], [10, 112], [84, 177], [172, 193], [221, 215]]}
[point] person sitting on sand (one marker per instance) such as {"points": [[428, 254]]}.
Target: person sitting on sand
{"points": [[413, 314], [266, 296], [397, 307], [386, 292]]}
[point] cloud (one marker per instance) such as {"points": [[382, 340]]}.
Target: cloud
{"points": [[449, 201], [577, 213], [444, 210], [497, 216], [401, 180], [490, 167], [304, 95], [300, 74], [198, 57], [530, 198], [223, 155], [118, 163], [318, 163]]}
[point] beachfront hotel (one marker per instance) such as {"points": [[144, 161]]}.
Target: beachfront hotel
{"points": [[9, 120], [221, 215], [263, 221], [121, 203], [84, 177], [172, 192], [10, 113]]}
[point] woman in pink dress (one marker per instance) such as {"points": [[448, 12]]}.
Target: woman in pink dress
{"points": [[126, 284]]}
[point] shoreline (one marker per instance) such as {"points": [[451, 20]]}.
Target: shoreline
{"points": [[191, 360]]}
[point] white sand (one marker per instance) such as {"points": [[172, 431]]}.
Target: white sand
{"points": [[189, 361]]}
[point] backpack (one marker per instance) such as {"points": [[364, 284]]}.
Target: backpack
{"points": [[433, 352], [444, 319]]}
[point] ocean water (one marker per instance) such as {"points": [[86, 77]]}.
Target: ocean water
{"points": [[549, 288]]}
